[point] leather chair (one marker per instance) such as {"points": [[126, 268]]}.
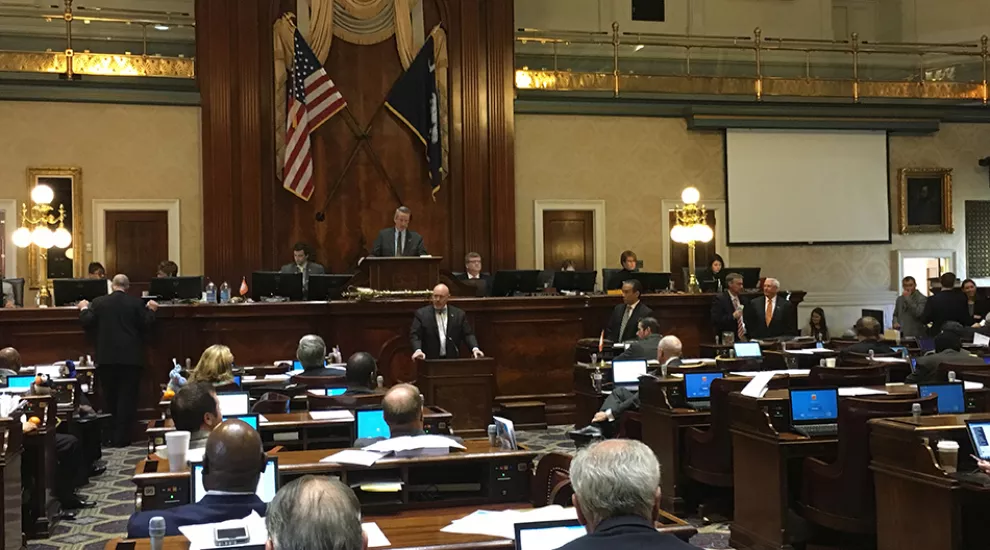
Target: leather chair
{"points": [[844, 377], [944, 368], [18, 287], [839, 344], [272, 403], [227, 387], [551, 483], [840, 496], [318, 381], [631, 426], [332, 402]]}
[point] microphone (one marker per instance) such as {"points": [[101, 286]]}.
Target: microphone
{"points": [[451, 344], [380, 381], [156, 532]]}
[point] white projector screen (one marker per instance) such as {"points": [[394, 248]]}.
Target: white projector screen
{"points": [[806, 187]]}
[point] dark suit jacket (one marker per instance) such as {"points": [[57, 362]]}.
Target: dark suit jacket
{"points": [[212, 509], [627, 533], [385, 244], [615, 322], [641, 349], [926, 369], [781, 324], [722, 310], [425, 335], [326, 371], [863, 347], [312, 268], [980, 310], [948, 305], [484, 278], [118, 322]]}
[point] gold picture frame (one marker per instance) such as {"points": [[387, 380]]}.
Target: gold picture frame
{"points": [[925, 200], [74, 219]]}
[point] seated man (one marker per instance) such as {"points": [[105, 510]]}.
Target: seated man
{"points": [[315, 512], [72, 471], [948, 349], [312, 355], [617, 497], [10, 363], [232, 466], [403, 411], [195, 409], [472, 272], [361, 374], [605, 421], [868, 333], [648, 341]]}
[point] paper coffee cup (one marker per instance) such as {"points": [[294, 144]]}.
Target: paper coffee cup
{"points": [[176, 448], [830, 361], [948, 455]]}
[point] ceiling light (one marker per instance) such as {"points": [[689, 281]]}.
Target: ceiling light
{"points": [[160, 27]]}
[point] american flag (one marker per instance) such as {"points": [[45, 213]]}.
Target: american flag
{"points": [[313, 99]]}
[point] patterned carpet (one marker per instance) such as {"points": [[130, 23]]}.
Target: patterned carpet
{"points": [[114, 495]]}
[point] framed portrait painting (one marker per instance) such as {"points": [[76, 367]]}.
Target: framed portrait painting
{"points": [[925, 200]]}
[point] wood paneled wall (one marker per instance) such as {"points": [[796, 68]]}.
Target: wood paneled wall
{"points": [[251, 223]]}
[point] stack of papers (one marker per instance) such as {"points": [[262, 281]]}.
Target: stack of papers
{"points": [[341, 414], [789, 372], [8, 404], [981, 340], [502, 523], [202, 536], [415, 445], [357, 457]]}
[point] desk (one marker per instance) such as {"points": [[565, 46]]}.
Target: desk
{"points": [[420, 530], [10, 486], [531, 338], [38, 466]]}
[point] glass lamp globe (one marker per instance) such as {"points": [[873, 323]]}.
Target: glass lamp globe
{"points": [[70, 254], [22, 237], [704, 233], [43, 237], [690, 195], [42, 194], [679, 234], [62, 238]]}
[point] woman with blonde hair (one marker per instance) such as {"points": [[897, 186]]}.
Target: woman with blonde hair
{"points": [[216, 366]]}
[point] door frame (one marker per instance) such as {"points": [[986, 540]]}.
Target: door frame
{"points": [[543, 205], [12, 223], [102, 206], [667, 205]]}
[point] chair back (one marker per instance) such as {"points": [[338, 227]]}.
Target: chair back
{"points": [[845, 377], [331, 402], [839, 344], [272, 403], [18, 288], [318, 381], [226, 387], [944, 368], [551, 483]]}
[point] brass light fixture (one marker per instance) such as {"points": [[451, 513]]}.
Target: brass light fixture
{"points": [[691, 228], [36, 229]]}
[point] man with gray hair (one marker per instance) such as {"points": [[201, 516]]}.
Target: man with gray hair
{"points": [[399, 240], [315, 513], [617, 497], [312, 356], [770, 315]]}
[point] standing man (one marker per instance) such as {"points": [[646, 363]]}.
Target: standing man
{"points": [[948, 305], [439, 330], [727, 309], [909, 308], [770, 316], [119, 322], [399, 240], [626, 316], [472, 272], [301, 264]]}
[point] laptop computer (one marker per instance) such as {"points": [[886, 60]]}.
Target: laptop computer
{"points": [[626, 373], [19, 384], [370, 422], [950, 396], [698, 388], [748, 350], [926, 344], [268, 483], [979, 435], [815, 411], [548, 535], [234, 403], [331, 392], [249, 419]]}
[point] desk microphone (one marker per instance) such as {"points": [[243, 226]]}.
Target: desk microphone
{"points": [[451, 344], [156, 532]]}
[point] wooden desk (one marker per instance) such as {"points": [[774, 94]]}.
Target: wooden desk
{"points": [[420, 530], [11, 441], [38, 465]]}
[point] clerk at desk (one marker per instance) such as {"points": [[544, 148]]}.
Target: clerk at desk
{"points": [[439, 330], [301, 264], [399, 240]]}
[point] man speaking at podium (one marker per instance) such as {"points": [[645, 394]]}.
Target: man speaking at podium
{"points": [[398, 240], [439, 330]]}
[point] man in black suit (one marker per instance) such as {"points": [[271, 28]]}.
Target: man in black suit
{"points": [[868, 332], [728, 307], [312, 355], [399, 240], [948, 305], [625, 317], [438, 331], [301, 254], [232, 466], [472, 272], [647, 344], [617, 498], [362, 374], [402, 408], [769, 315], [118, 322]]}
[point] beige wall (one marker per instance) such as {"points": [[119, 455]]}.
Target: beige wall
{"points": [[125, 152], [636, 163]]}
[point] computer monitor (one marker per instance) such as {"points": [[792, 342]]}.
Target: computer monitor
{"points": [[249, 419], [986, 359], [21, 383], [875, 313], [370, 422], [652, 282], [902, 350], [611, 280], [950, 396], [73, 291], [268, 483], [297, 367], [333, 392], [628, 372], [237, 380], [270, 284], [327, 286], [234, 403], [926, 344], [814, 405], [52, 371], [177, 288], [748, 350], [979, 435], [698, 385], [548, 535], [578, 281], [510, 281], [750, 275]]}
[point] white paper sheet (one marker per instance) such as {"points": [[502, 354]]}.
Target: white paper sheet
{"points": [[412, 443], [502, 523], [261, 418], [888, 360], [758, 385], [332, 415], [789, 372], [248, 378], [202, 536], [981, 340], [354, 456], [697, 361], [376, 538], [967, 385], [853, 392], [276, 377]]}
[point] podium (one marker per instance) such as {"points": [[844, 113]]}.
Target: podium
{"points": [[464, 387], [402, 272]]}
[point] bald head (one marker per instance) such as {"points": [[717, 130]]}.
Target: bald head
{"points": [[10, 359], [234, 458], [670, 346], [441, 294], [120, 282], [403, 408]]}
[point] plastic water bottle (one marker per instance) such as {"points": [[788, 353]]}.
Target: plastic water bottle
{"points": [[156, 532], [596, 379], [380, 381], [916, 411], [225, 293], [872, 354], [952, 376], [211, 293]]}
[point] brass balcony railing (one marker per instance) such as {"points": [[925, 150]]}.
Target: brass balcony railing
{"points": [[638, 64]]}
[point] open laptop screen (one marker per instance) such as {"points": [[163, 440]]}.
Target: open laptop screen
{"points": [[950, 397], [234, 403], [748, 349], [698, 385], [20, 383], [547, 535], [813, 406], [371, 423], [628, 372], [267, 483], [249, 419], [335, 391]]}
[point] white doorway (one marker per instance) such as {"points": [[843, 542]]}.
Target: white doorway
{"points": [[923, 265]]}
